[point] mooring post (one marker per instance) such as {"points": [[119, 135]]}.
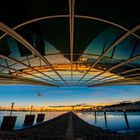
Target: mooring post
{"points": [[95, 116], [126, 120], [105, 118]]}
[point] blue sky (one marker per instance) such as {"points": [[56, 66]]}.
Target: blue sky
{"points": [[40, 95]]}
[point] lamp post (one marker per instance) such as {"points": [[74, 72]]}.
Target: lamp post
{"points": [[41, 110], [40, 117], [31, 110], [29, 119], [12, 106]]}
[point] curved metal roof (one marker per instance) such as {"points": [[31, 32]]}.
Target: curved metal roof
{"points": [[69, 43]]}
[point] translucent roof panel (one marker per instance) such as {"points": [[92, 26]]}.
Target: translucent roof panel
{"points": [[79, 43]]}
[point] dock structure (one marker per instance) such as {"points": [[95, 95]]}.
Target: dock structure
{"points": [[72, 128], [69, 133], [29, 118], [40, 116], [65, 127], [8, 122]]}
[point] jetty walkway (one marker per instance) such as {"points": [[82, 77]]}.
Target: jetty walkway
{"points": [[65, 127]]}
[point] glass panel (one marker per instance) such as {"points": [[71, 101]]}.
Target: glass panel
{"points": [[124, 49], [137, 49], [111, 35], [48, 36]]}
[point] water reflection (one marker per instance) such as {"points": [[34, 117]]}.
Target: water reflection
{"points": [[21, 117], [114, 121]]}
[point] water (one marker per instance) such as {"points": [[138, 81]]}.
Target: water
{"points": [[21, 116], [115, 120]]}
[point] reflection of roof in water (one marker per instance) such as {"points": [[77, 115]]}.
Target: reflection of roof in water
{"points": [[72, 43]]}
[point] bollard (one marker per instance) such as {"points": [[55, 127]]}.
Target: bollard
{"points": [[126, 120]]}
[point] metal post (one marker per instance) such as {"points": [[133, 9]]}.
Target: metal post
{"points": [[73, 108], [41, 110], [11, 108], [31, 110], [105, 118], [95, 116], [40, 117], [126, 120]]}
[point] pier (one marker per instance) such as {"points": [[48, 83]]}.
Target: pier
{"points": [[8, 122], [65, 127], [41, 116], [29, 118]]}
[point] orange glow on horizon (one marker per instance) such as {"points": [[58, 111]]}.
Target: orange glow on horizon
{"points": [[54, 108]]}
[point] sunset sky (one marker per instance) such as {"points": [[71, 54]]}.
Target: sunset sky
{"points": [[44, 96]]}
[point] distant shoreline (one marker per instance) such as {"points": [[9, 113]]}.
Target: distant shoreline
{"points": [[74, 111]]}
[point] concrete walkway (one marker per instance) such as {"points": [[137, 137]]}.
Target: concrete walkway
{"points": [[69, 132]]}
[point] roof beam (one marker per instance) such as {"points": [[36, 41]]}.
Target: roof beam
{"points": [[11, 76], [77, 16], [65, 16], [19, 62], [114, 67], [20, 39], [107, 50], [71, 23], [128, 81], [124, 72], [107, 22]]}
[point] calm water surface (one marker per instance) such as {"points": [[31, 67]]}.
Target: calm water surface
{"points": [[115, 120], [21, 116]]}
